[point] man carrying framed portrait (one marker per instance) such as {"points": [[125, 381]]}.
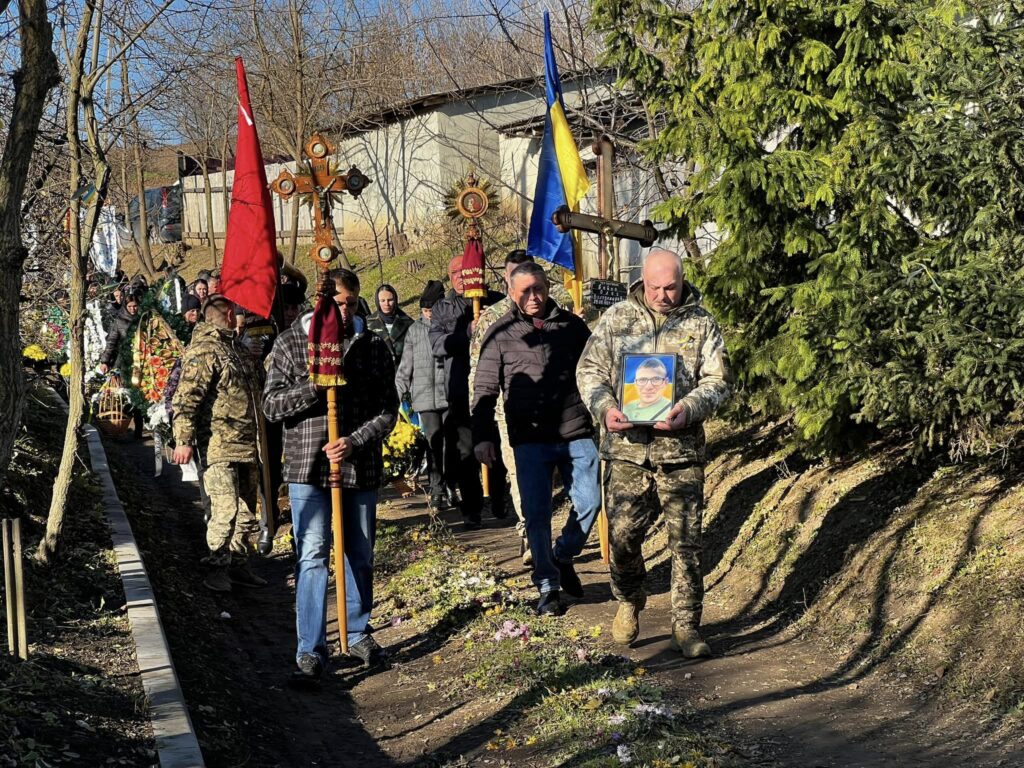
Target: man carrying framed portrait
{"points": [[653, 371]]}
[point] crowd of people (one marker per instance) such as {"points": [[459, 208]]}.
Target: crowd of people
{"points": [[527, 389]]}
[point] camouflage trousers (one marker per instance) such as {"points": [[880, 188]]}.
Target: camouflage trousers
{"points": [[508, 458], [634, 498], [232, 488]]}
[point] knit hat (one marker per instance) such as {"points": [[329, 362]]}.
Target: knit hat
{"points": [[433, 292], [189, 303]]}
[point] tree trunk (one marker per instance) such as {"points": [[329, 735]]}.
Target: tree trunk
{"points": [[208, 196], [225, 195], [80, 240], [36, 75], [145, 252]]}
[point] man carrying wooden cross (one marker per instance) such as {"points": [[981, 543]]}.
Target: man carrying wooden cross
{"points": [[368, 410], [657, 470]]}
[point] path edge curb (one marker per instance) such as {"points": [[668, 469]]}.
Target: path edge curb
{"points": [[176, 743]]}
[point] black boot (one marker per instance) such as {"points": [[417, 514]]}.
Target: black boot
{"points": [[568, 580], [266, 543], [550, 604]]}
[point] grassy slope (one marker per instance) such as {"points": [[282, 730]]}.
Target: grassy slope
{"points": [[78, 699], [912, 568]]}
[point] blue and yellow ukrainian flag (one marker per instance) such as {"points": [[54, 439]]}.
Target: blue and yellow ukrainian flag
{"points": [[561, 180]]}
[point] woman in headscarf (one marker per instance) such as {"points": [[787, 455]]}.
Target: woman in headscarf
{"points": [[389, 322]]}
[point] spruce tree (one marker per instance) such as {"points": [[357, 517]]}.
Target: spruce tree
{"points": [[863, 163]]}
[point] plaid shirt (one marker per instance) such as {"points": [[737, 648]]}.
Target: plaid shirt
{"points": [[367, 408]]}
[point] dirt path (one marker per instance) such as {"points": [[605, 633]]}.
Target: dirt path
{"points": [[774, 694]]}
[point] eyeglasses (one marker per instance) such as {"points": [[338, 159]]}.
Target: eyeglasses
{"points": [[647, 382]]}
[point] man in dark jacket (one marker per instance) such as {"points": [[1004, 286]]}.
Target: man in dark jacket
{"points": [[530, 355], [420, 377], [389, 322], [368, 409], [118, 331], [451, 328]]}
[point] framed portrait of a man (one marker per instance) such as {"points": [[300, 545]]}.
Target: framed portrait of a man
{"points": [[648, 387]]}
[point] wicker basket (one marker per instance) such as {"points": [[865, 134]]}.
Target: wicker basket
{"points": [[113, 412]]}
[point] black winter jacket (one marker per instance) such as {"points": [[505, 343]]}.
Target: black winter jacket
{"points": [[449, 338], [118, 330], [534, 364]]}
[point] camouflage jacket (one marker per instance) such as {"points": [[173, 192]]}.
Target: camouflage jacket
{"points": [[488, 316], [703, 377], [213, 405]]}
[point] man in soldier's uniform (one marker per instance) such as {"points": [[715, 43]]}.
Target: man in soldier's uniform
{"points": [[657, 469], [488, 316], [214, 412]]}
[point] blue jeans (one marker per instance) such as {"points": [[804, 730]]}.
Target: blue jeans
{"points": [[577, 462], [311, 527]]}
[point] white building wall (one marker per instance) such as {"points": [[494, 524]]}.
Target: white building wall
{"points": [[403, 162], [194, 215]]}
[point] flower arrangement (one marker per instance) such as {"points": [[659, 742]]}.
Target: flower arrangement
{"points": [[54, 334], [400, 449], [156, 350], [34, 353]]}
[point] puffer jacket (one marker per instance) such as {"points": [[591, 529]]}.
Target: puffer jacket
{"points": [[703, 377], [214, 407], [116, 335], [449, 338], [533, 362], [420, 375]]}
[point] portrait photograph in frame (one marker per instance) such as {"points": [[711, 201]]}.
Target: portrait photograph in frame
{"points": [[648, 387]]}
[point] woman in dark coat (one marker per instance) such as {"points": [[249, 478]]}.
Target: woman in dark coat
{"points": [[389, 322]]}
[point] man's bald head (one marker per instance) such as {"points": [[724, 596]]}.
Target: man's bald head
{"points": [[663, 280], [455, 274]]}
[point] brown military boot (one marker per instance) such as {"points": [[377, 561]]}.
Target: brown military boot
{"points": [[687, 641], [626, 626]]}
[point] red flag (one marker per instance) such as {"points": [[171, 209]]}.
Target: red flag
{"points": [[249, 274]]}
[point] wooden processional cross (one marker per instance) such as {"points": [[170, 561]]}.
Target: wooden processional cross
{"points": [[320, 185], [604, 292]]}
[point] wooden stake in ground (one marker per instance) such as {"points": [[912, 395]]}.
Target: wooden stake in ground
{"points": [[319, 185], [14, 588]]}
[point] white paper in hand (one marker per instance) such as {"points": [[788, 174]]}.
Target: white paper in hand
{"points": [[189, 473]]}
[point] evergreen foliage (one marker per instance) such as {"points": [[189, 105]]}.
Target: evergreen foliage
{"points": [[863, 162]]}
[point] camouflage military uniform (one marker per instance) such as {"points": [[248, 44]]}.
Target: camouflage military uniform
{"points": [[214, 411], [649, 472], [488, 316]]}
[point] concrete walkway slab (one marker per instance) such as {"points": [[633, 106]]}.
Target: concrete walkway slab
{"points": [[176, 742]]}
